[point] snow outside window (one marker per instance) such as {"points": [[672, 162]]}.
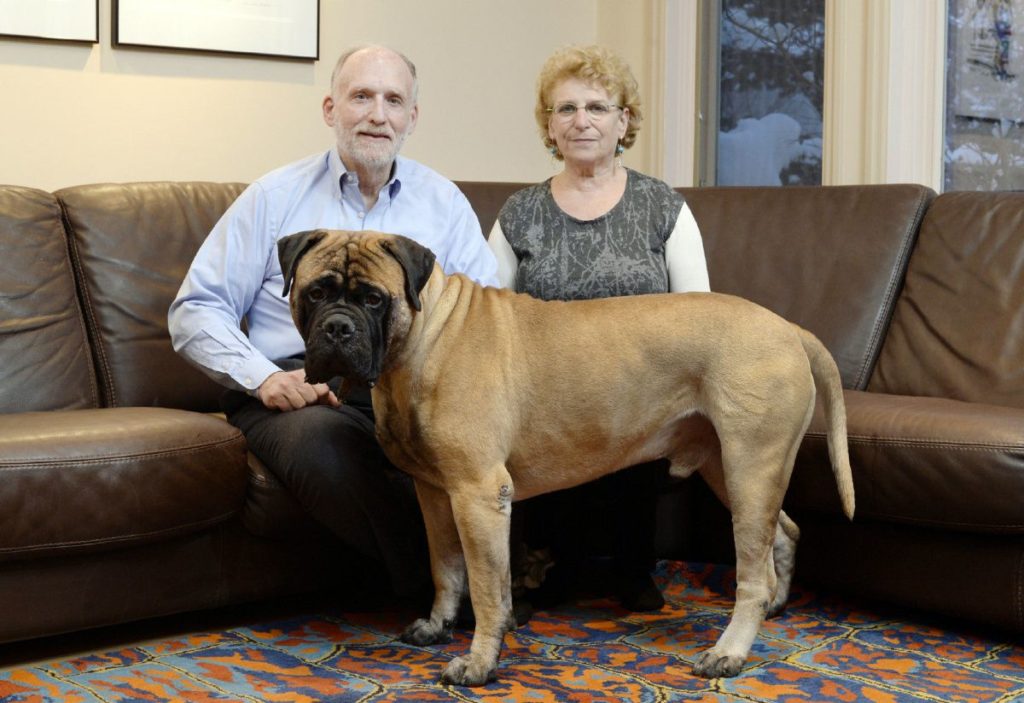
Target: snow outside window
{"points": [[770, 92]]}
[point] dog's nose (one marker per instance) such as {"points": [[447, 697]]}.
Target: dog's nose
{"points": [[339, 327]]}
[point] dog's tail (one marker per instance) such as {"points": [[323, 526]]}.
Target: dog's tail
{"points": [[830, 385]]}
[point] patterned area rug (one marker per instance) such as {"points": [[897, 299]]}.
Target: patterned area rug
{"points": [[818, 650]]}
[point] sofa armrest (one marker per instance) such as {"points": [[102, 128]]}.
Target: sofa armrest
{"points": [[931, 462], [89, 480]]}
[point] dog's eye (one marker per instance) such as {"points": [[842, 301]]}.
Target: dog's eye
{"points": [[316, 295], [373, 299]]}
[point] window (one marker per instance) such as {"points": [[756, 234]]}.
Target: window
{"points": [[984, 141], [764, 106]]}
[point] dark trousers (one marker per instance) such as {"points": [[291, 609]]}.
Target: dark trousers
{"points": [[329, 459], [611, 518]]}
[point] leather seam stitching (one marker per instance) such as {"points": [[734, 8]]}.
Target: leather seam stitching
{"points": [[222, 517], [184, 451], [896, 282], [929, 443]]}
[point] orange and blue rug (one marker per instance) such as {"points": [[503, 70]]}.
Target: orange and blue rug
{"points": [[820, 649]]}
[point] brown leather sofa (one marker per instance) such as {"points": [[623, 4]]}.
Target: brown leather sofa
{"points": [[123, 496]]}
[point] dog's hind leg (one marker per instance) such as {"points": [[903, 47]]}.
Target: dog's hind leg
{"points": [[747, 477], [700, 449], [447, 566], [787, 534]]}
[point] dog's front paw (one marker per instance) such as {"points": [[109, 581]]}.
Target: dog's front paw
{"points": [[424, 632], [469, 671], [712, 665]]}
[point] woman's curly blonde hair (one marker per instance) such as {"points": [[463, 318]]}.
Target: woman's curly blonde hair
{"points": [[590, 64]]}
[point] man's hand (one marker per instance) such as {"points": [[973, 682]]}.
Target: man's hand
{"points": [[288, 390]]}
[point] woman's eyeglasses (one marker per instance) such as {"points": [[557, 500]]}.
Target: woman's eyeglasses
{"points": [[595, 110]]}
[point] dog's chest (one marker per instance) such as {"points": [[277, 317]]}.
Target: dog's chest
{"points": [[400, 431]]}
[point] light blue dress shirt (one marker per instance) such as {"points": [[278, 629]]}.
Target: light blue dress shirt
{"points": [[236, 273]]}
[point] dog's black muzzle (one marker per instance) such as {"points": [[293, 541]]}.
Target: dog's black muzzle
{"points": [[343, 340], [338, 328]]}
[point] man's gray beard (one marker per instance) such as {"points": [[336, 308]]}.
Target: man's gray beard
{"points": [[373, 158]]}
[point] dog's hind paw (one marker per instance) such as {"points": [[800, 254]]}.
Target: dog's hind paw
{"points": [[712, 665], [468, 671], [424, 632], [778, 603]]}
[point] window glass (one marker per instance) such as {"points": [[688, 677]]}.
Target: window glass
{"points": [[985, 89], [771, 89]]}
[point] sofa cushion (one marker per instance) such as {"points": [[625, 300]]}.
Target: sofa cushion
{"points": [[930, 462], [487, 199], [108, 478], [46, 361], [958, 329], [133, 244], [829, 258]]}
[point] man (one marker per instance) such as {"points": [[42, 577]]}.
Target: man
{"points": [[323, 451]]}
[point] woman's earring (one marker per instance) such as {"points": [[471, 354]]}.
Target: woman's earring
{"points": [[553, 149], [619, 149]]}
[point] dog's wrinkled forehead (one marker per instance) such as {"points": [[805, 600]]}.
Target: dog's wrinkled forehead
{"points": [[354, 257]]}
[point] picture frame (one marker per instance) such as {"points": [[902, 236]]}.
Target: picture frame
{"points": [[270, 28], [51, 20]]}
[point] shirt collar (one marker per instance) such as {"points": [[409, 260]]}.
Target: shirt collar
{"points": [[341, 176], [335, 168]]}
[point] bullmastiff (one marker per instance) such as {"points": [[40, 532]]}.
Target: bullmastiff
{"points": [[485, 396]]}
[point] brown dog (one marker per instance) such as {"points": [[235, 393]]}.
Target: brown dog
{"points": [[485, 396]]}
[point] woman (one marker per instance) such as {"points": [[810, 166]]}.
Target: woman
{"points": [[596, 229]]}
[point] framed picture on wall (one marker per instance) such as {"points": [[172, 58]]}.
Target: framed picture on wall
{"points": [[56, 20], [278, 28]]}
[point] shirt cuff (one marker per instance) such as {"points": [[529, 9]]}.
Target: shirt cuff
{"points": [[251, 374]]}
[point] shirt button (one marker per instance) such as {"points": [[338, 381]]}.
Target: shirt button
{"points": [[248, 381], [362, 215]]}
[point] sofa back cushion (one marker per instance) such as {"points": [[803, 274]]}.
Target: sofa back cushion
{"points": [[45, 362], [831, 259], [958, 329], [487, 199], [132, 244]]}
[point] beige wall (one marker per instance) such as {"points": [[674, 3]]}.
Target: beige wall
{"points": [[74, 114]]}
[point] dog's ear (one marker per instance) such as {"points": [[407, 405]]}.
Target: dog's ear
{"points": [[291, 248], [417, 262]]}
